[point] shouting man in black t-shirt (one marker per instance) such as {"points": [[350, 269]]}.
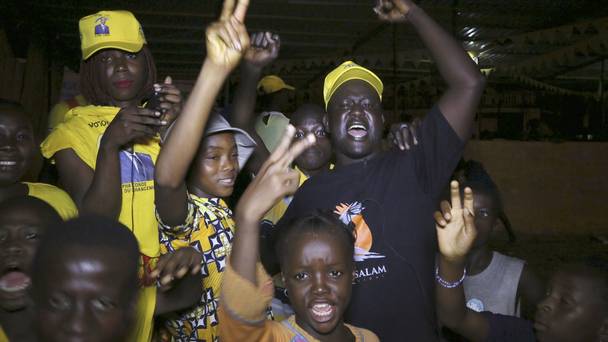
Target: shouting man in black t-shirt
{"points": [[390, 196]]}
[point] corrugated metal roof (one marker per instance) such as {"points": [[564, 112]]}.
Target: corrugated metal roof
{"points": [[319, 33]]}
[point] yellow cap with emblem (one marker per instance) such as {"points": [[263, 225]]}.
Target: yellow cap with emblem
{"points": [[110, 30]]}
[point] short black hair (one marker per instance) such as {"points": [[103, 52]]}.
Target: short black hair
{"points": [[472, 174], [35, 205], [319, 222], [91, 89], [91, 232]]}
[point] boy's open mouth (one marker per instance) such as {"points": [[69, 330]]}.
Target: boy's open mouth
{"points": [[357, 130], [322, 312], [14, 280]]}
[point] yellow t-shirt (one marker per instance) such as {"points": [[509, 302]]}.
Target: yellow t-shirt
{"points": [[3, 337], [57, 198], [59, 112], [82, 133]]}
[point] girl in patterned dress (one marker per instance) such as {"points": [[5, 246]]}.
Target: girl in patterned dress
{"points": [[196, 169]]}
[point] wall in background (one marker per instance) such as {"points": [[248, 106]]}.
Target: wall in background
{"points": [[549, 187]]}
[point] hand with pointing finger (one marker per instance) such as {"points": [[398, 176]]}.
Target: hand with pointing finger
{"points": [[455, 225]]}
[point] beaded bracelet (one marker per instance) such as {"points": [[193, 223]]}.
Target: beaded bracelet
{"points": [[447, 284]]}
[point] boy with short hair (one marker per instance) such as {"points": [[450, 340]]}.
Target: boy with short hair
{"points": [[390, 196], [24, 222], [575, 307], [85, 281], [17, 150]]}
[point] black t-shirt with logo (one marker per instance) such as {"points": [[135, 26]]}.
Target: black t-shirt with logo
{"points": [[390, 199]]}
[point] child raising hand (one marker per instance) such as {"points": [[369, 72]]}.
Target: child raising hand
{"points": [[575, 307], [316, 256], [196, 170]]}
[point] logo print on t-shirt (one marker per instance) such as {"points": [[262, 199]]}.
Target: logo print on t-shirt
{"points": [[353, 213], [475, 305], [135, 167]]}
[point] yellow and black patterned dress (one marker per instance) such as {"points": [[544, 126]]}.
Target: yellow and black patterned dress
{"points": [[209, 228]]}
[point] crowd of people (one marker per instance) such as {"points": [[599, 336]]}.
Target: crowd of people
{"points": [[336, 237]]}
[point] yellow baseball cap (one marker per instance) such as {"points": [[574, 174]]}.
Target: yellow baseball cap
{"points": [[271, 84], [347, 71], [110, 30]]}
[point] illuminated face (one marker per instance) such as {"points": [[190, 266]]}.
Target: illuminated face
{"points": [[20, 232], [318, 273], [308, 119], [88, 296], [122, 75], [356, 121], [17, 145], [215, 167]]}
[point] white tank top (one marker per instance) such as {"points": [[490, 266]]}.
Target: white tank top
{"points": [[495, 289]]}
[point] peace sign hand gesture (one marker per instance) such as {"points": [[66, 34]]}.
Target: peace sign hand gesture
{"points": [[227, 38], [456, 225], [275, 179]]}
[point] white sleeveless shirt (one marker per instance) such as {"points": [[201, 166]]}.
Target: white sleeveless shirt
{"points": [[495, 289]]}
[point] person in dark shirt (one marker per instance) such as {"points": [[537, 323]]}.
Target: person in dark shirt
{"points": [[390, 196], [575, 306]]}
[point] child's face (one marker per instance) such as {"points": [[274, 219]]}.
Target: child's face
{"points": [[17, 146], [356, 120], [571, 310], [216, 166], [486, 214], [122, 74], [310, 121], [20, 231], [86, 297], [318, 276]]}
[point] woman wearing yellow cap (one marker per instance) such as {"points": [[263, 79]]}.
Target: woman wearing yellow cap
{"points": [[105, 152]]}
